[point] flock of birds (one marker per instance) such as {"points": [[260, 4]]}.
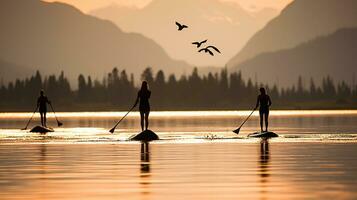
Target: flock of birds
{"points": [[206, 49]]}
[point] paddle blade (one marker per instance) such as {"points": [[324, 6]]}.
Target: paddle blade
{"points": [[112, 130], [59, 124], [236, 131]]}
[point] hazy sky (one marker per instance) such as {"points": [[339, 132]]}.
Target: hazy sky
{"points": [[88, 5]]}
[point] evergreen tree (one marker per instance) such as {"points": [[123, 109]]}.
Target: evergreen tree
{"points": [[219, 90], [313, 89], [147, 75], [82, 88]]}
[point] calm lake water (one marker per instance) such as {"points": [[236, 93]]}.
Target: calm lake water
{"points": [[198, 157]]}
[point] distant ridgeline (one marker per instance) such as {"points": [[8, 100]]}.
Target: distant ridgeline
{"points": [[221, 90]]}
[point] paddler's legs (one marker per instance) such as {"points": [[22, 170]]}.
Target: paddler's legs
{"points": [[42, 121], [142, 120], [266, 120], [147, 120], [261, 114]]}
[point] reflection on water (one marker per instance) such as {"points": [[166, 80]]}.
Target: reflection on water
{"points": [[211, 170], [264, 159], [93, 127], [145, 159], [145, 169], [264, 166], [314, 158]]}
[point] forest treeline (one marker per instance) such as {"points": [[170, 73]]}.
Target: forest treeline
{"points": [[117, 91]]}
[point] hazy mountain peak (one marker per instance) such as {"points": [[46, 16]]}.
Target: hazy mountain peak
{"points": [[330, 55], [300, 21], [219, 22], [55, 36]]}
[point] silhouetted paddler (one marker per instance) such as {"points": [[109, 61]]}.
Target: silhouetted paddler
{"points": [[144, 105], [42, 102], [264, 102]]}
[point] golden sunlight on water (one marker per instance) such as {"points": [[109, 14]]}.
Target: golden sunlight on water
{"points": [[184, 126], [207, 170], [197, 157]]}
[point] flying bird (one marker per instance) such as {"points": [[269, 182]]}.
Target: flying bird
{"points": [[206, 51], [213, 47], [181, 26], [199, 43]]}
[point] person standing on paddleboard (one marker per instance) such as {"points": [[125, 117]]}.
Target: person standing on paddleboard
{"points": [[263, 102], [42, 102], [144, 106]]}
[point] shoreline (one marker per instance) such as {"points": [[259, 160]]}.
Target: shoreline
{"points": [[222, 141], [189, 109], [193, 113]]}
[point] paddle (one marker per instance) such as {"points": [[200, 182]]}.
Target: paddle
{"points": [[58, 122], [30, 118], [238, 129], [113, 129]]}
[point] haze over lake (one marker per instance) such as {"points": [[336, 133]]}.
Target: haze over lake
{"points": [[178, 99], [198, 157]]}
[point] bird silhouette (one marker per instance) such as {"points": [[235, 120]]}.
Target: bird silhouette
{"points": [[213, 47], [206, 51], [181, 26], [199, 44]]}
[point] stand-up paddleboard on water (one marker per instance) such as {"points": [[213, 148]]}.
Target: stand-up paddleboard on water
{"points": [[41, 129], [263, 134], [146, 135]]}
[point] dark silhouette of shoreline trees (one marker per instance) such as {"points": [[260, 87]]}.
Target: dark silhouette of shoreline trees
{"points": [[194, 92]]}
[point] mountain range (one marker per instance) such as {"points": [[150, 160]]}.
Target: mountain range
{"points": [[10, 72], [224, 24], [55, 36], [277, 51], [309, 38], [332, 55]]}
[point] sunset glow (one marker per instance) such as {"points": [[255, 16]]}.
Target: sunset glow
{"points": [[89, 5], [178, 99]]}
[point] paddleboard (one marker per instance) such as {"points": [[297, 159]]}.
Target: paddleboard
{"points": [[41, 129], [146, 135], [263, 135]]}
